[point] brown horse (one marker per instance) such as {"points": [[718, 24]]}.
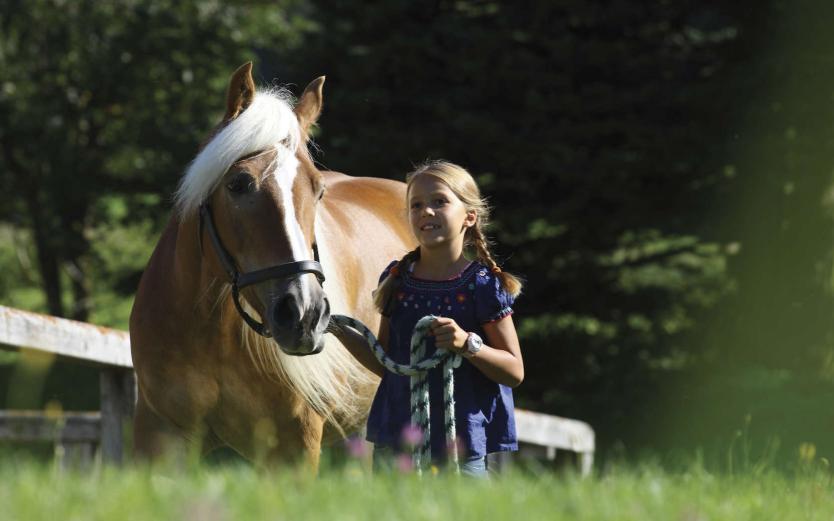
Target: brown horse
{"points": [[254, 217]]}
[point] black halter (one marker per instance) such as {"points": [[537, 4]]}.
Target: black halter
{"points": [[241, 280]]}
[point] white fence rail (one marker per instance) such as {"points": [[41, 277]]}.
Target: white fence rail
{"points": [[110, 349], [79, 342], [554, 433]]}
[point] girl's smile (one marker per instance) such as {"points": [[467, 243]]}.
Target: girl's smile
{"points": [[437, 216], [472, 308]]}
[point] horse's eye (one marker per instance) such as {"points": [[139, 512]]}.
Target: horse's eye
{"points": [[241, 183]]}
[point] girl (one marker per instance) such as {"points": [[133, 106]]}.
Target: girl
{"points": [[473, 300]]}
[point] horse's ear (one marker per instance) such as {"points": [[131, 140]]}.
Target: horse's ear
{"points": [[309, 106], [241, 91]]}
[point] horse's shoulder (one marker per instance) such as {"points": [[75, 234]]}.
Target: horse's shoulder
{"points": [[370, 206]]}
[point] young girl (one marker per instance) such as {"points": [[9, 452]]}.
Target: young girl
{"points": [[473, 300]]}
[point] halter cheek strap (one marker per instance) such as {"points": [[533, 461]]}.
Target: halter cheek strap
{"points": [[242, 280]]}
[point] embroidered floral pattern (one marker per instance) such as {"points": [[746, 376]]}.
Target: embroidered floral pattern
{"points": [[473, 298]]}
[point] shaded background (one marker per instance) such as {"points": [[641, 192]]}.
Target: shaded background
{"points": [[661, 173]]}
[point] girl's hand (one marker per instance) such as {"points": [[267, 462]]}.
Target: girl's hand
{"points": [[448, 334]]}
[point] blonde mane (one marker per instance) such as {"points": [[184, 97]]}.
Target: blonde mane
{"points": [[330, 381], [269, 122]]}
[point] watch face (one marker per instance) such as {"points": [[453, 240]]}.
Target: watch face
{"points": [[474, 343]]}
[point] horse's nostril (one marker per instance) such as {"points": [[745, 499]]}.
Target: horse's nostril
{"points": [[287, 313]]}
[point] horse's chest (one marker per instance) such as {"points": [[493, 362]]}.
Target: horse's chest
{"points": [[248, 397]]}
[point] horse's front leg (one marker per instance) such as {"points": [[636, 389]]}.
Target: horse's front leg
{"points": [[282, 442], [156, 438], [153, 436]]}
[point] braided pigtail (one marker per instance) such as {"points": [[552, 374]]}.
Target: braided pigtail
{"points": [[384, 294], [478, 240]]}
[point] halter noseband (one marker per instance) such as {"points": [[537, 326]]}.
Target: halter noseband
{"points": [[241, 280]]}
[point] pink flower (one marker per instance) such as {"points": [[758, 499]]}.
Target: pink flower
{"points": [[411, 436], [356, 447], [456, 444], [404, 463]]}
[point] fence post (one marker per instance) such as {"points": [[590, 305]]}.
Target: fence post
{"points": [[118, 399]]}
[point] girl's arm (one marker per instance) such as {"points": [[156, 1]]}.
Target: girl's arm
{"points": [[359, 348], [500, 356]]}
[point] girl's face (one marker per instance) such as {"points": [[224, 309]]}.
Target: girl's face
{"points": [[438, 218]]}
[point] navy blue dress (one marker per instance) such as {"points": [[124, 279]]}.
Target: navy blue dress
{"points": [[484, 408]]}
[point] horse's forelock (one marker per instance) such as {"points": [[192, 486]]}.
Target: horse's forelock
{"points": [[269, 122]]}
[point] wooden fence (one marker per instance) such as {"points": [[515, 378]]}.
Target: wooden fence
{"points": [[77, 435], [74, 433]]}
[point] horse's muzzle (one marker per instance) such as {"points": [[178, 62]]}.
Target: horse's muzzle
{"points": [[299, 331]]}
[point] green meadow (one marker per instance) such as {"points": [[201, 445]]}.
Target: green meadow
{"points": [[661, 175], [32, 491]]}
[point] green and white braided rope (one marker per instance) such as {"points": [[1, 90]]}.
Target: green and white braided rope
{"points": [[418, 369]]}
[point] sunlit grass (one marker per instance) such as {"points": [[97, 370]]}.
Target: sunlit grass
{"points": [[38, 491]]}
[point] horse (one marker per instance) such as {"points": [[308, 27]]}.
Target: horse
{"points": [[228, 327]]}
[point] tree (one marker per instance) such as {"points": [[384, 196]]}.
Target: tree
{"points": [[588, 125], [111, 98]]}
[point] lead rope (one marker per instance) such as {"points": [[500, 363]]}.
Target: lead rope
{"points": [[418, 370]]}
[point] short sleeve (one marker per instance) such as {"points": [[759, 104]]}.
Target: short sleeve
{"points": [[492, 302]]}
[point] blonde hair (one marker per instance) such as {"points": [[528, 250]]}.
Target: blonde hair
{"points": [[463, 185]]}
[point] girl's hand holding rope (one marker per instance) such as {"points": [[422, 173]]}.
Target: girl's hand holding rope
{"points": [[448, 335]]}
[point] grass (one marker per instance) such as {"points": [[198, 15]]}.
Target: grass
{"points": [[31, 491]]}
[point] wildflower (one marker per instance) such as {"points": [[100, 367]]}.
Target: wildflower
{"points": [[356, 447], [807, 451], [411, 436], [404, 463]]}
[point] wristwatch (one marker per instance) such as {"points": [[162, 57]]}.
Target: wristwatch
{"points": [[473, 345]]}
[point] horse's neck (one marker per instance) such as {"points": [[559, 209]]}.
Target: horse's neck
{"points": [[193, 276], [359, 228], [333, 259]]}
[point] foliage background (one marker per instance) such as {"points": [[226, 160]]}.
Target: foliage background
{"points": [[661, 174]]}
